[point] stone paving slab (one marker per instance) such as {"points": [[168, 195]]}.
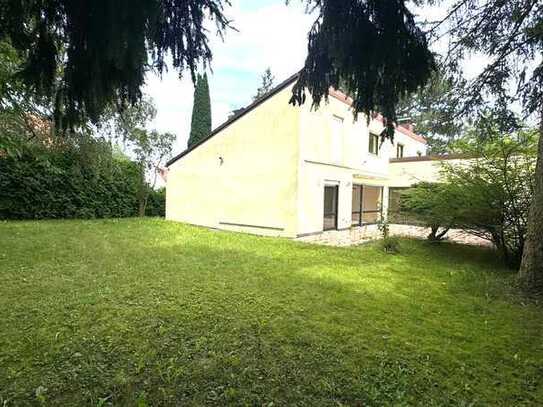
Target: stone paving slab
{"points": [[361, 234]]}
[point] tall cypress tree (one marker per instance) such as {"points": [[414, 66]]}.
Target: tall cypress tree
{"points": [[201, 112]]}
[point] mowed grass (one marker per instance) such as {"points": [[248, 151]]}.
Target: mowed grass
{"points": [[148, 312]]}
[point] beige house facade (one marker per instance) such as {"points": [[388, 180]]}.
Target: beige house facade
{"points": [[281, 170]]}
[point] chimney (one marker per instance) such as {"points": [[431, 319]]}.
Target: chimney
{"points": [[407, 123]]}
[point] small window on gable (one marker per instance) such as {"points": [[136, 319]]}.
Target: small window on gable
{"points": [[399, 150], [419, 153], [374, 144]]}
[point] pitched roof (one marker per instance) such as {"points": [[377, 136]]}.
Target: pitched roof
{"points": [[241, 112]]}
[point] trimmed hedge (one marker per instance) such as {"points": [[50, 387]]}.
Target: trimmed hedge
{"points": [[85, 181], [156, 204]]}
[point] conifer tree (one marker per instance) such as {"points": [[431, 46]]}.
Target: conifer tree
{"points": [[201, 112], [85, 56]]}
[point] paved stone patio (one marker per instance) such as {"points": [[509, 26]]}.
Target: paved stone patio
{"points": [[361, 234]]}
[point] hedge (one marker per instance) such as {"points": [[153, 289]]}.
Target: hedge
{"points": [[71, 182]]}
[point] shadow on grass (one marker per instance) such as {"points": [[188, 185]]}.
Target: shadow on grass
{"points": [[187, 316]]}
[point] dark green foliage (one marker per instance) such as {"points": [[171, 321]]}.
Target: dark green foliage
{"points": [[69, 181], [429, 204], [86, 55], [201, 112], [156, 203], [488, 196], [372, 49], [510, 34], [21, 118]]}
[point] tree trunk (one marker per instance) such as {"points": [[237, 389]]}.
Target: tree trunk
{"points": [[141, 207], [442, 234], [433, 231], [531, 268]]}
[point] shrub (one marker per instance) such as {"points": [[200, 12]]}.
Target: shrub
{"points": [[488, 196], [429, 205], [83, 180], [391, 244], [156, 203]]}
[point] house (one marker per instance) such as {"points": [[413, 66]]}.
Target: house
{"points": [[275, 169]]}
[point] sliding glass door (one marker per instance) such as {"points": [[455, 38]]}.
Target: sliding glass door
{"points": [[366, 204], [330, 207]]}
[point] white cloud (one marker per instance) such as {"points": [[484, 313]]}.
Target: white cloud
{"points": [[273, 35], [270, 33]]}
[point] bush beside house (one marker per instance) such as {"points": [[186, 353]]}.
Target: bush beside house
{"points": [[488, 196]]}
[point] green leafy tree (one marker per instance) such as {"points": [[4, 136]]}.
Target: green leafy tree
{"points": [[488, 196], [22, 118], [429, 204], [121, 124], [510, 34], [201, 112], [267, 81], [151, 149]]}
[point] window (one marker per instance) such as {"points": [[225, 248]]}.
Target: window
{"points": [[419, 153], [357, 204], [374, 144], [337, 140], [399, 150], [366, 205], [330, 207], [394, 200]]}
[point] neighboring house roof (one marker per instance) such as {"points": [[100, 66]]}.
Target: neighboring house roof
{"points": [[241, 112]]}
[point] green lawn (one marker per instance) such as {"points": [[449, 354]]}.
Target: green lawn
{"points": [[147, 312]]}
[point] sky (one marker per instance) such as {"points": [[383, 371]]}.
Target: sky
{"points": [[269, 34]]}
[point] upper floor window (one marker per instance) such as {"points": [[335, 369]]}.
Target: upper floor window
{"points": [[337, 139], [374, 144], [399, 150]]}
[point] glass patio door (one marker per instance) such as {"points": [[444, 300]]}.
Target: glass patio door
{"points": [[366, 204], [330, 206]]}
